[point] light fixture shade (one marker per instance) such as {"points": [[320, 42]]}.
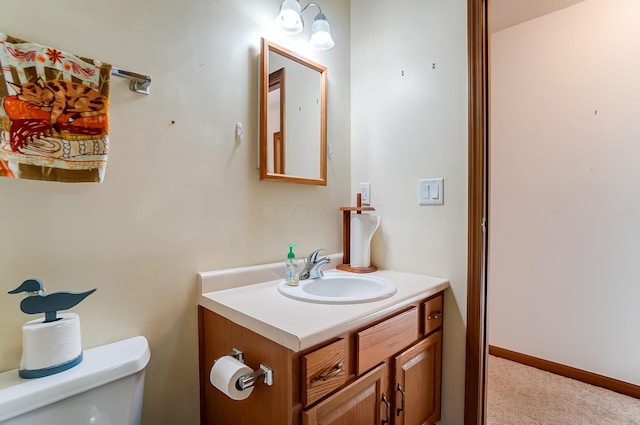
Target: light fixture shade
{"points": [[320, 33], [289, 20]]}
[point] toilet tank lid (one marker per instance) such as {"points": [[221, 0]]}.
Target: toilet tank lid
{"points": [[99, 366]]}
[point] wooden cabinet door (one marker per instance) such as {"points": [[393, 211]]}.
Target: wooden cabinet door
{"points": [[359, 403], [418, 378]]}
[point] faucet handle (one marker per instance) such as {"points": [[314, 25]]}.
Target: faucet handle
{"points": [[313, 257]]}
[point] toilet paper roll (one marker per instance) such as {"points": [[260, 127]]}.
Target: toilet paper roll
{"points": [[225, 373], [50, 344]]}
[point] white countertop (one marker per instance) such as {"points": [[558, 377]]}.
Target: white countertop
{"points": [[299, 325]]}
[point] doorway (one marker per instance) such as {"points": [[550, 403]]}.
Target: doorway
{"points": [[615, 236]]}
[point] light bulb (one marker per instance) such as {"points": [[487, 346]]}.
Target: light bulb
{"points": [[289, 20], [321, 34]]}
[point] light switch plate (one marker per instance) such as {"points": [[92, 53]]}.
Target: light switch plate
{"points": [[431, 191]]}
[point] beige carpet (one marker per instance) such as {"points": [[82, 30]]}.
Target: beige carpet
{"points": [[523, 395]]}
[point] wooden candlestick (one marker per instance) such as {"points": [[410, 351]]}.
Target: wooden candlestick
{"points": [[346, 237]]}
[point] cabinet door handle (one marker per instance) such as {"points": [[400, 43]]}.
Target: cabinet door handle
{"points": [[435, 316], [333, 372], [401, 408], [388, 403]]}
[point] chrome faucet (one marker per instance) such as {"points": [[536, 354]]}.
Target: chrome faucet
{"points": [[313, 266]]}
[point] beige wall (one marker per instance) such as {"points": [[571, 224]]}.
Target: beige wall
{"points": [[177, 199], [564, 230], [183, 198], [413, 126]]}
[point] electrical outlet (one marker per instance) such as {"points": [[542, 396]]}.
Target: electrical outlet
{"points": [[365, 193]]}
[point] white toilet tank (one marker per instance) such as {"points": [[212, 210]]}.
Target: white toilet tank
{"points": [[104, 389]]}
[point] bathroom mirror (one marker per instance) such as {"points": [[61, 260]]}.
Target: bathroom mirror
{"points": [[293, 117]]}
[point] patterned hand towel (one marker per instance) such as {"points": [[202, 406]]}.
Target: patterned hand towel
{"points": [[54, 114]]}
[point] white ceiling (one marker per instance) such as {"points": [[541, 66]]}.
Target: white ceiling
{"points": [[506, 13]]}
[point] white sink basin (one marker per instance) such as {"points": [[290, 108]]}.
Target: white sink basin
{"points": [[340, 288]]}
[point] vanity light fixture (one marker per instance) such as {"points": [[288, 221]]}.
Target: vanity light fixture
{"points": [[289, 21]]}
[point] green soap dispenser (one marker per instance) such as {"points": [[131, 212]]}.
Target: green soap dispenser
{"points": [[291, 268]]}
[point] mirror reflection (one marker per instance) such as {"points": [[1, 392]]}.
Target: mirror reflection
{"points": [[292, 117]]}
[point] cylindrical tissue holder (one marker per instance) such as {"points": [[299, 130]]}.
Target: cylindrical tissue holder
{"points": [[50, 347], [356, 238], [225, 373]]}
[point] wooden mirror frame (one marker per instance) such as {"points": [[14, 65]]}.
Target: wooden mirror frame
{"points": [[265, 48]]}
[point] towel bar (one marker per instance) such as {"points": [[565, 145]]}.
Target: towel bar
{"points": [[139, 83]]}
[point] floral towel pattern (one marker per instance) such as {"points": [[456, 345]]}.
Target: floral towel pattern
{"points": [[54, 113]]}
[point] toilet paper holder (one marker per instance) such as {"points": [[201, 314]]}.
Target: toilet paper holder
{"points": [[236, 354], [250, 380]]}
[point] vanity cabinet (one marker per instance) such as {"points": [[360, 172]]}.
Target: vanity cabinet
{"points": [[418, 377], [387, 372], [358, 403]]}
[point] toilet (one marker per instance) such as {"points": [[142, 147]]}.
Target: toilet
{"points": [[104, 389]]}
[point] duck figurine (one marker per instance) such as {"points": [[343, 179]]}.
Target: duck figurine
{"points": [[49, 304]]}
